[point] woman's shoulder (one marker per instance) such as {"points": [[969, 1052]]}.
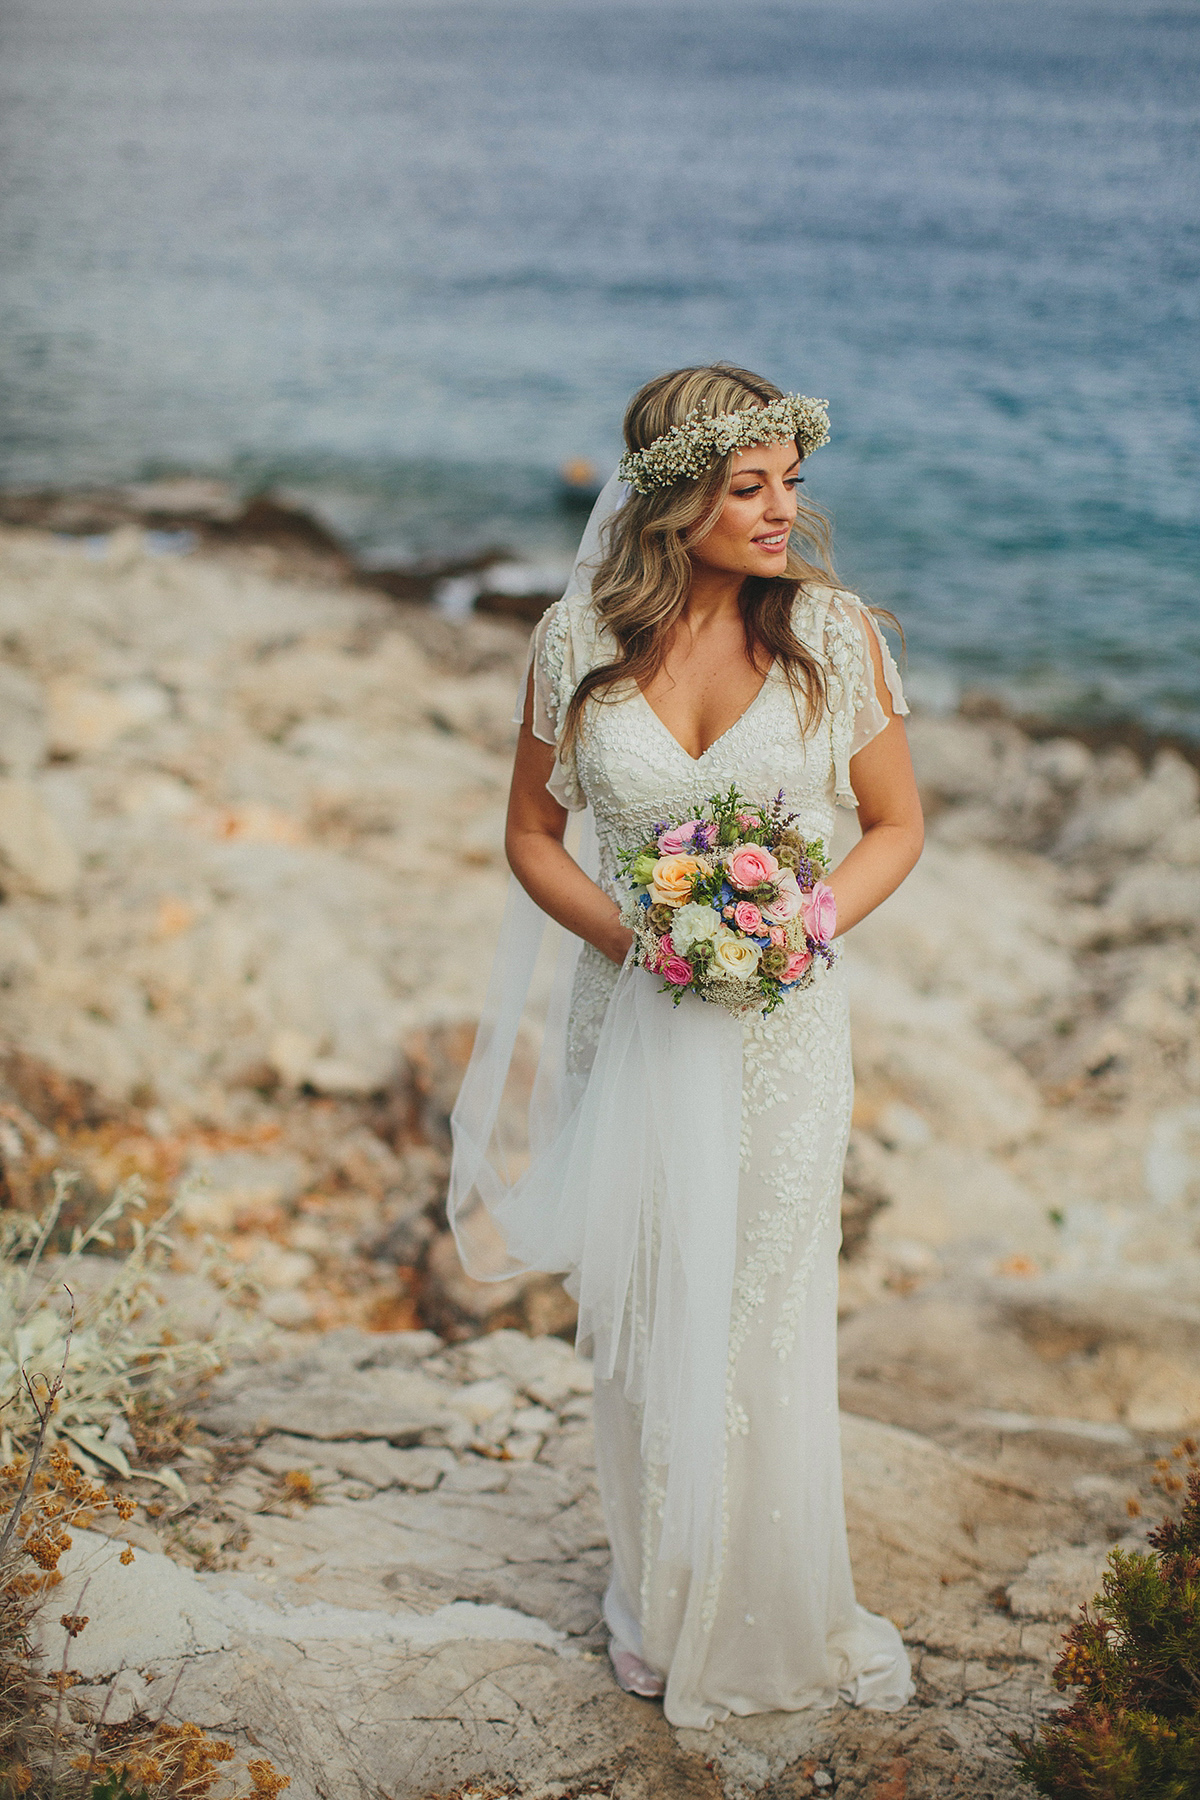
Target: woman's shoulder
{"points": [[571, 635], [828, 618]]}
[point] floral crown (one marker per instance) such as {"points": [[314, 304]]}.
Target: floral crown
{"points": [[688, 450]]}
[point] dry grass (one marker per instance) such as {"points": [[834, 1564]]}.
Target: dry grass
{"points": [[122, 1353], [81, 1381]]}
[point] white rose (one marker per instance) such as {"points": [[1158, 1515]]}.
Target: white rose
{"points": [[734, 955], [692, 924]]}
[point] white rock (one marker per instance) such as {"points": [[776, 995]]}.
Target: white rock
{"points": [[35, 856], [544, 1368], [914, 1511], [1056, 1583], [902, 1127], [145, 1612], [1150, 899], [274, 1267], [289, 1308], [524, 1446], [480, 1401], [1138, 817], [320, 1622], [84, 720], [22, 722]]}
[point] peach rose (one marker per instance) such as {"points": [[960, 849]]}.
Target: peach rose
{"points": [[747, 918], [673, 879], [778, 937], [797, 962], [750, 866], [819, 913], [788, 901]]}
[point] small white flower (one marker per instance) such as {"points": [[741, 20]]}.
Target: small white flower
{"points": [[687, 450], [692, 924]]}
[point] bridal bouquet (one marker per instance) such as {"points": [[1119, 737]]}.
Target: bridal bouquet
{"points": [[731, 906]]}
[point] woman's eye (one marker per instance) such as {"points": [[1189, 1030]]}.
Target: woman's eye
{"points": [[745, 493]]}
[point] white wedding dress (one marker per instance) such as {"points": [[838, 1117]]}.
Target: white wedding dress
{"points": [[710, 1299]]}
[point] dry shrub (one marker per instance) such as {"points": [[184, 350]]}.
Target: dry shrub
{"points": [[42, 1497], [121, 1349], [177, 1761], [105, 1365]]}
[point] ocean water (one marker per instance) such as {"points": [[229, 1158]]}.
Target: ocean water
{"points": [[403, 258]]}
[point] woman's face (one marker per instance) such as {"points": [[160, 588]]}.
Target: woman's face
{"points": [[750, 536]]}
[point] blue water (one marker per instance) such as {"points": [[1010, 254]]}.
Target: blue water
{"points": [[403, 258]]}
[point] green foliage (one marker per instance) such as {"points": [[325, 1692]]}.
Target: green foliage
{"points": [[1132, 1731], [113, 1787]]}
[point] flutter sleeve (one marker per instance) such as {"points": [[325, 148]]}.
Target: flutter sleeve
{"points": [[858, 713], [557, 659]]}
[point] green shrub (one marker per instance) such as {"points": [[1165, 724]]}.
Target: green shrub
{"points": [[1132, 1731]]}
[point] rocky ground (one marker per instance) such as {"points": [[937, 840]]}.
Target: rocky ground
{"points": [[247, 824]]}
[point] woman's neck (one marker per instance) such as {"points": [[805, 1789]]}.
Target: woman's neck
{"points": [[713, 597]]}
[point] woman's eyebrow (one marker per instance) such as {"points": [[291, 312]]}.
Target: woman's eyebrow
{"points": [[742, 473]]}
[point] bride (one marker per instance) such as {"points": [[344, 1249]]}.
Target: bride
{"points": [[684, 1165]]}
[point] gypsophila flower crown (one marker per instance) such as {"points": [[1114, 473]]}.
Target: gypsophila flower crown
{"points": [[688, 450]]}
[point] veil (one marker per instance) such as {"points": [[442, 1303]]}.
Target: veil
{"points": [[487, 1161], [624, 1180]]}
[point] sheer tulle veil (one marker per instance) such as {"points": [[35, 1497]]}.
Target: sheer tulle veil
{"points": [[485, 1166], [627, 1184]]}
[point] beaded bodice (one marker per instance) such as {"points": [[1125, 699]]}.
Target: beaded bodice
{"points": [[634, 772], [630, 769]]}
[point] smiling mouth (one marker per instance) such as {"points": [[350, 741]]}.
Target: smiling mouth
{"points": [[776, 541]]}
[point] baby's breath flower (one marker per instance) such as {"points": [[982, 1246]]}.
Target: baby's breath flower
{"points": [[688, 450]]}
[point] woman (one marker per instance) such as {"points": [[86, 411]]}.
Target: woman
{"points": [[685, 1164]]}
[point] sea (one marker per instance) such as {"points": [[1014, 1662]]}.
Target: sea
{"points": [[400, 259]]}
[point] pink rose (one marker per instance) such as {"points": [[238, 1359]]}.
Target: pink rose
{"points": [[749, 821], [797, 962], [750, 866], [672, 842], [787, 902], [777, 936], [675, 970], [747, 918], [820, 913]]}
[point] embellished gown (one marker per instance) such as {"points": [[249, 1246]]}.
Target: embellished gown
{"points": [[779, 1628], [765, 1617]]}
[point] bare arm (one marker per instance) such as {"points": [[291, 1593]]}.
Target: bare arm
{"points": [[533, 842], [889, 812]]}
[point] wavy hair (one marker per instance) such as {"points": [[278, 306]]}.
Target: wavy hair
{"points": [[642, 578]]}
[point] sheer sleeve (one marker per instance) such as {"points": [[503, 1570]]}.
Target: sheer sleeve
{"points": [[871, 717], [844, 626], [548, 648], [560, 652]]}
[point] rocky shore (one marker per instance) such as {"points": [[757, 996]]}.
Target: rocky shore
{"points": [[250, 855]]}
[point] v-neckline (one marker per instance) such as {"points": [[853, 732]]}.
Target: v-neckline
{"points": [[720, 739]]}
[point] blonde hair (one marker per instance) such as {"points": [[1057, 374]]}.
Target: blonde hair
{"points": [[642, 578]]}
